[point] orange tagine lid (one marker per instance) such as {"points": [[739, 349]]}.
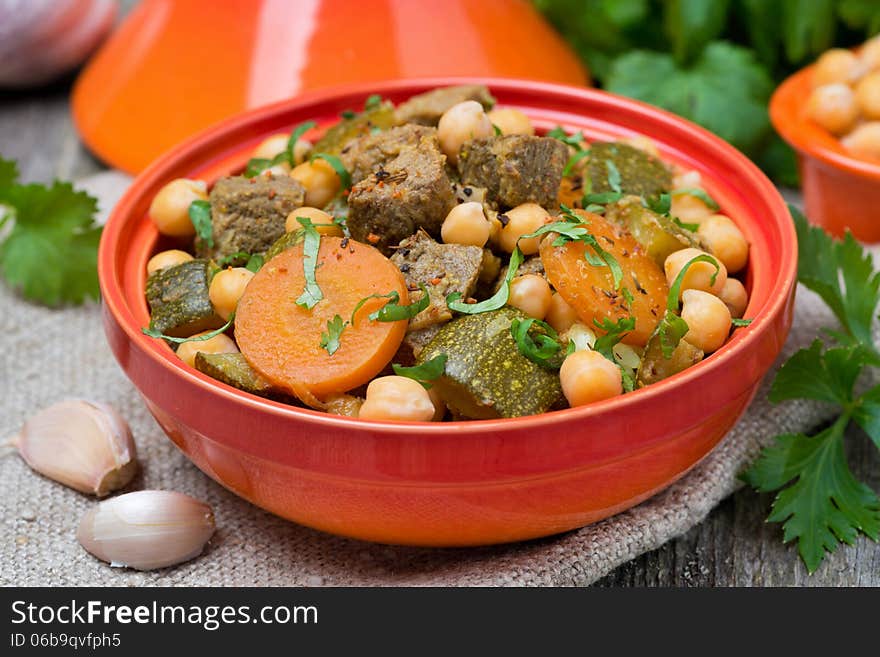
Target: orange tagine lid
{"points": [[173, 68]]}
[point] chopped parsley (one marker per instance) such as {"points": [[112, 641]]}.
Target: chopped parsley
{"points": [[330, 339], [311, 244], [425, 373], [200, 216]]}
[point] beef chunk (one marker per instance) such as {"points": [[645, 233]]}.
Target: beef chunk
{"points": [[411, 192], [427, 108], [371, 153], [443, 268], [248, 214], [413, 343], [515, 169]]}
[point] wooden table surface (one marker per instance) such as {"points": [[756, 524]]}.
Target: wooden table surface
{"points": [[733, 547]]}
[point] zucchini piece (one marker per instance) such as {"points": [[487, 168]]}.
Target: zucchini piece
{"points": [[233, 370], [640, 173], [486, 376], [654, 367], [658, 234], [282, 244], [179, 302], [335, 139]]}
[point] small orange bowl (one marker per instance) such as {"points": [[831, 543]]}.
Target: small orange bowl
{"points": [[841, 192], [455, 483]]}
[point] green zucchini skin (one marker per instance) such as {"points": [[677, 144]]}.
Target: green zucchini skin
{"points": [[283, 243], [178, 299], [486, 376], [233, 370], [654, 367], [640, 173], [336, 137], [659, 235]]}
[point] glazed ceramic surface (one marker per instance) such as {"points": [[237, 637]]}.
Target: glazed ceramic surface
{"points": [[841, 192], [174, 67], [455, 483]]}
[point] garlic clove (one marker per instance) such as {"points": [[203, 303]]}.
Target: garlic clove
{"points": [[147, 529], [82, 444]]}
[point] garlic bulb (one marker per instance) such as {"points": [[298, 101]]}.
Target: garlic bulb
{"points": [[147, 529], [82, 444]]}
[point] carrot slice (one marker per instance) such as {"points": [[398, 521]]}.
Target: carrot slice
{"points": [[590, 290], [282, 340]]}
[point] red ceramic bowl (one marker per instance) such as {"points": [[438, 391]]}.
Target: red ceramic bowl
{"points": [[455, 483], [840, 191]]}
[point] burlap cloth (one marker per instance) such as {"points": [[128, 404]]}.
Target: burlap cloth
{"points": [[49, 355]]}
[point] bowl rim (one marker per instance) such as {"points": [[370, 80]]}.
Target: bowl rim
{"points": [[114, 297], [807, 137]]}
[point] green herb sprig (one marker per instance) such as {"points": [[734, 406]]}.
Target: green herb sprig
{"points": [[153, 333], [819, 502], [200, 216], [425, 373], [311, 245]]}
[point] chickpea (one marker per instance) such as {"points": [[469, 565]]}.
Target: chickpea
{"points": [[726, 241], [864, 141], [560, 315], [466, 224], [522, 220], [699, 275], [735, 297], [219, 344], [165, 259], [834, 107], [169, 210], [460, 123], [868, 96], [689, 208], [643, 143], [226, 289], [318, 217], [587, 376], [688, 179], [511, 121], [276, 170], [708, 320], [836, 65], [531, 294], [320, 181], [869, 58], [397, 398], [271, 146]]}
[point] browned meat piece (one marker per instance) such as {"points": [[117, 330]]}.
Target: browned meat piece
{"points": [[371, 153], [515, 169], [427, 108], [443, 268], [248, 214], [413, 343], [411, 192]]}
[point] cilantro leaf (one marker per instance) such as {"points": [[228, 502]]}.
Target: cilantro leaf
{"points": [[537, 341], [614, 333], [866, 411], [50, 255], [330, 339], [560, 134], [311, 244], [723, 76], [826, 505], [338, 167], [200, 216], [497, 300], [701, 194], [426, 372], [691, 24], [8, 176], [824, 263], [812, 373]]}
